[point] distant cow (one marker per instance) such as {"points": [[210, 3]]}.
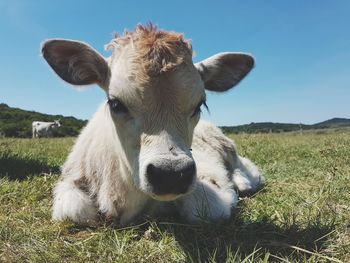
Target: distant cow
{"points": [[44, 129], [141, 151]]}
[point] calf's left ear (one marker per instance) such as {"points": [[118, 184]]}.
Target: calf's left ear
{"points": [[224, 70], [76, 62]]}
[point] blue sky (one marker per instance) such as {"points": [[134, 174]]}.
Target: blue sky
{"points": [[302, 52]]}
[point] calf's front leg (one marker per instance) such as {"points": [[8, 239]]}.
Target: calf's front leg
{"points": [[207, 202], [70, 202]]}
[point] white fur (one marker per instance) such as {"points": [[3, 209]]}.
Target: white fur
{"points": [[207, 203], [71, 203], [246, 176]]}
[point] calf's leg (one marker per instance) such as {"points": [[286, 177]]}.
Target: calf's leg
{"points": [[207, 202], [246, 176], [72, 203]]}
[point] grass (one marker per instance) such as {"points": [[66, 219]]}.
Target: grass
{"points": [[302, 214]]}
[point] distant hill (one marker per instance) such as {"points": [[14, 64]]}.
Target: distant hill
{"points": [[334, 123], [266, 127], [16, 122]]}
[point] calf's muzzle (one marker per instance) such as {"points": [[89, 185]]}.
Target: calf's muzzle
{"points": [[171, 177]]}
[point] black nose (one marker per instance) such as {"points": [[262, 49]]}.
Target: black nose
{"points": [[169, 179]]}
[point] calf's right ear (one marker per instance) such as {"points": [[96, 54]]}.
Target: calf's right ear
{"points": [[76, 62]]}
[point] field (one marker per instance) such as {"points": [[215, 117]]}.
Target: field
{"points": [[302, 214]]}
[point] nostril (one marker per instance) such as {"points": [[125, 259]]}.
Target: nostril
{"points": [[153, 174], [150, 169]]}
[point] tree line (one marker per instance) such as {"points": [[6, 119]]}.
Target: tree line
{"points": [[16, 122]]}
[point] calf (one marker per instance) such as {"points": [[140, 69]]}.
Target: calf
{"points": [[44, 129], [145, 147]]}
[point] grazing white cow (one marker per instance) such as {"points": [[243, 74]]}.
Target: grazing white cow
{"points": [[44, 129], [144, 150]]}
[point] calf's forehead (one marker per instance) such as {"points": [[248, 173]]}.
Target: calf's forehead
{"points": [[181, 87]]}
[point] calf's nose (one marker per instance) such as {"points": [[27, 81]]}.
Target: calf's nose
{"points": [[171, 179]]}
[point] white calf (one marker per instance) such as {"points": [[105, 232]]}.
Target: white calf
{"points": [[141, 150], [44, 129]]}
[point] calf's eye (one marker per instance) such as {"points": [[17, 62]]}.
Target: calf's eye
{"points": [[198, 110], [117, 106]]}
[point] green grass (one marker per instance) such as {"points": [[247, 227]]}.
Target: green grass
{"points": [[302, 214]]}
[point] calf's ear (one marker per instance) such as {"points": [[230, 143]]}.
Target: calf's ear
{"points": [[224, 70], [76, 62]]}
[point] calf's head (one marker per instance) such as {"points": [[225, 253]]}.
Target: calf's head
{"points": [[57, 123], [154, 95]]}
